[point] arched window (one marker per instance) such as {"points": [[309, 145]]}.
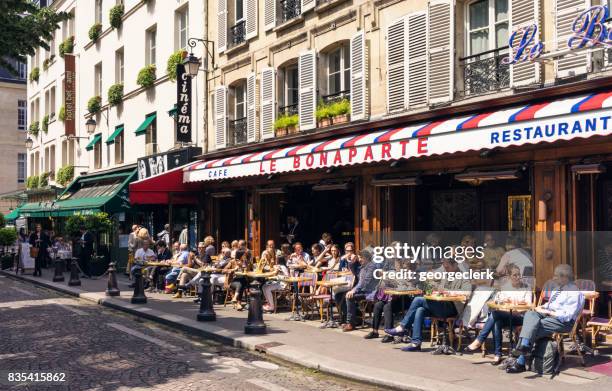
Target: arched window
{"points": [[237, 113], [336, 83]]}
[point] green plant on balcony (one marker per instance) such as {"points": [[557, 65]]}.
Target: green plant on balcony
{"points": [[94, 32], [67, 46], [115, 15], [62, 113], [34, 74], [340, 111], [43, 180], [115, 94], [45, 124], [32, 182], [64, 175], [146, 76], [323, 115], [94, 104], [48, 61], [174, 60], [286, 124], [34, 128]]}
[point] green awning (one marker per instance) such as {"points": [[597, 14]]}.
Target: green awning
{"points": [[96, 139], [172, 112], [145, 124], [13, 215], [117, 132]]}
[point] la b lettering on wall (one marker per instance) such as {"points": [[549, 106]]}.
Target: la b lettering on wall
{"points": [[183, 105]]}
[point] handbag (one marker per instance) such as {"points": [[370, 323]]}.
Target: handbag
{"points": [[34, 252]]}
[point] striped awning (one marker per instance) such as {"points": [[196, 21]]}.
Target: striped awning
{"points": [[563, 119]]}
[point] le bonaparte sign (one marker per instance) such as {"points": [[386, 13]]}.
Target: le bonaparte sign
{"points": [[183, 105]]}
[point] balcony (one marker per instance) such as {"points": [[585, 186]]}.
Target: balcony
{"points": [[237, 34], [289, 9], [288, 110], [237, 132], [486, 72], [336, 97]]}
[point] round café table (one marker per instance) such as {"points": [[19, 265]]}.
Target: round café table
{"points": [[444, 348], [331, 323], [296, 310], [510, 308]]}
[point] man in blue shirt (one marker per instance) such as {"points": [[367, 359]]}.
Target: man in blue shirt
{"points": [[181, 259]]}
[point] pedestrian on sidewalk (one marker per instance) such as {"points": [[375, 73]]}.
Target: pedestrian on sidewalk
{"points": [[40, 243]]}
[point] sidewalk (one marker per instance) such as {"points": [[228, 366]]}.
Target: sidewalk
{"points": [[330, 350]]}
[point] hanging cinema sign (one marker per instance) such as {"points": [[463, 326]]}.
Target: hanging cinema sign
{"points": [[183, 105]]}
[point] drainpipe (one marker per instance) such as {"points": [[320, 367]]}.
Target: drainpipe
{"points": [[205, 92]]}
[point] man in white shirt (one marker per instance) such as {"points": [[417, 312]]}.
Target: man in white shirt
{"points": [[515, 256], [143, 254]]}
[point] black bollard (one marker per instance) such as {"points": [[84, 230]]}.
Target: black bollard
{"points": [[112, 289], [139, 295], [59, 270], [255, 323], [207, 312], [74, 273]]}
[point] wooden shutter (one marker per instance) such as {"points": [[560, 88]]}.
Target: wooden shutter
{"points": [[269, 14], [524, 13], [307, 5], [251, 18], [441, 50], [396, 72], [221, 25], [307, 71], [221, 116], [565, 13], [267, 113], [359, 77], [251, 101], [417, 60]]}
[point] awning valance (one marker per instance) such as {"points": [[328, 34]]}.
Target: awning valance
{"points": [[96, 139], [145, 124], [117, 132], [13, 215], [563, 119], [163, 189]]}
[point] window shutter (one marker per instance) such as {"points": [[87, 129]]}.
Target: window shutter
{"points": [[441, 50], [307, 70], [307, 5], [222, 25], [251, 97], [417, 60], [396, 73], [221, 116], [270, 14], [565, 13], [524, 13], [359, 77], [268, 102], [251, 19]]}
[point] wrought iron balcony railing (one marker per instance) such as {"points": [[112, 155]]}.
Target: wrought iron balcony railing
{"points": [[290, 9], [486, 72], [237, 131], [289, 109], [237, 33], [337, 96]]}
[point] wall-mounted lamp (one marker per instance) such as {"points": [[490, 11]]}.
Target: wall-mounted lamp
{"points": [[543, 206]]}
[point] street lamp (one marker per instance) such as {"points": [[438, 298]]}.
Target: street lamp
{"points": [[193, 63], [28, 143], [91, 126]]}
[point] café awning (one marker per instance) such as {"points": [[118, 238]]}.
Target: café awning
{"points": [[163, 189], [562, 119], [13, 215], [145, 124]]}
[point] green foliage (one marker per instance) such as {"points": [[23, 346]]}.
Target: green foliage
{"points": [[97, 222], [94, 104], [45, 124], [25, 27], [43, 180], [286, 121], [34, 74], [2, 220], [32, 182], [8, 236], [323, 111], [174, 60], [67, 46], [62, 113], [47, 62], [115, 94], [94, 32], [340, 107], [34, 128], [146, 76], [115, 15], [64, 175]]}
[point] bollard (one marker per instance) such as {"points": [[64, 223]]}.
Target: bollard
{"points": [[255, 323], [139, 295], [59, 270], [207, 312], [74, 273], [112, 289]]}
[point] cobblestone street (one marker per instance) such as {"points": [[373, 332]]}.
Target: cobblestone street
{"points": [[100, 349]]}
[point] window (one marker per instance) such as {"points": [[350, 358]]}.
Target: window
{"points": [[98, 155], [239, 11], [52, 102], [64, 29], [119, 148], [487, 25], [22, 117], [182, 23], [46, 166], [52, 44], [98, 11], [339, 71], [290, 90], [21, 167], [151, 138], [151, 45], [47, 102], [119, 66], [51, 168], [22, 69], [67, 152], [98, 79], [240, 105], [71, 24]]}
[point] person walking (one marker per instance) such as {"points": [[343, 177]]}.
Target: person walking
{"points": [[39, 243]]}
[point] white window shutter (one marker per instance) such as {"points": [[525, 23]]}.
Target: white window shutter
{"points": [[565, 13], [307, 71], [307, 5], [251, 19], [524, 13], [396, 72], [251, 97], [221, 25], [441, 50], [221, 116], [417, 60], [269, 14], [267, 113], [359, 77]]}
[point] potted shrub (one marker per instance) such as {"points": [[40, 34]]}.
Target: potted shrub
{"points": [[45, 124], [43, 180], [115, 15], [94, 104], [62, 113], [292, 124], [64, 175], [280, 126], [175, 59], [32, 182], [340, 111], [94, 32], [34, 74], [146, 76], [47, 63], [8, 237], [67, 46], [97, 224], [115, 94], [323, 115], [34, 128]]}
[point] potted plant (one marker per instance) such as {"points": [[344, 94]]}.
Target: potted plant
{"points": [[174, 60], [34, 74], [32, 182], [45, 123], [8, 237], [285, 124], [62, 113], [43, 180], [323, 115], [292, 124], [115, 15], [146, 76], [94, 104], [340, 111], [34, 128], [94, 32], [98, 224], [64, 175], [115, 94], [67, 46]]}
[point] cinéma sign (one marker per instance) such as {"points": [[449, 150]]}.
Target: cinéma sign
{"points": [[183, 105]]}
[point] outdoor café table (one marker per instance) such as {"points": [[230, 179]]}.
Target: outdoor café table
{"points": [[510, 307], [158, 264], [331, 323], [444, 348], [403, 293], [295, 314], [261, 277]]}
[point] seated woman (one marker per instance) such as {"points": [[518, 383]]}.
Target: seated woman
{"points": [[238, 283], [271, 286], [317, 254], [190, 271], [514, 291], [331, 258]]}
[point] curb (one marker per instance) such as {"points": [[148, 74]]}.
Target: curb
{"points": [[345, 369]]}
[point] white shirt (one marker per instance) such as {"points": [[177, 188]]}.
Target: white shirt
{"points": [[567, 303], [142, 256], [508, 292], [518, 257]]}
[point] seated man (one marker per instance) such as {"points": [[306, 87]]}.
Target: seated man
{"points": [[558, 315], [421, 308], [364, 290], [164, 255], [189, 271], [143, 254], [180, 260]]}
